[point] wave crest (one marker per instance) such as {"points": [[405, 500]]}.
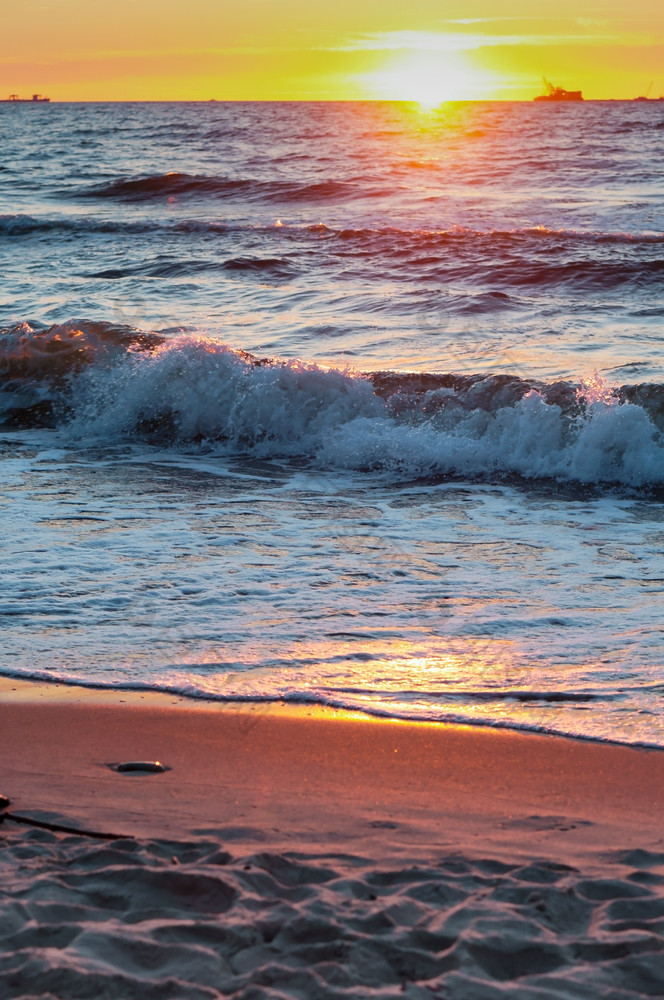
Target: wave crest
{"points": [[201, 185], [108, 383]]}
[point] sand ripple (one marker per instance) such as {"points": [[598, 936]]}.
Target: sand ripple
{"points": [[186, 920]]}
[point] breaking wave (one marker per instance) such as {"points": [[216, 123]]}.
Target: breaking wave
{"points": [[108, 383]]}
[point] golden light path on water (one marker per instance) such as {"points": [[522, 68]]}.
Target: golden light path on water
{"points": [[464, 531], [475, 681]]}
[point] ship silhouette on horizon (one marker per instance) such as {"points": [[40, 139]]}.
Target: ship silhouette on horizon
{"points": [[558, 93], [35, 99]]}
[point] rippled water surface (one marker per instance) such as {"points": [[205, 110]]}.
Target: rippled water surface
{"points": [[343, 402]]}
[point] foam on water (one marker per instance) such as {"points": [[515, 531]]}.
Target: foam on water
{"points": [[329, 427], [106, 384], [193, 573]]}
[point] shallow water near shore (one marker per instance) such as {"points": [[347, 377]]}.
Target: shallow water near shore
{"points": [[365, 407]]}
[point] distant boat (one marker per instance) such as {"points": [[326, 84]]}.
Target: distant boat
{"points": [[646, 96], [35, 99], [558, 93]]}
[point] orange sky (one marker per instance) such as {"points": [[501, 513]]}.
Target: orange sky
{"points": [[331, 49]]}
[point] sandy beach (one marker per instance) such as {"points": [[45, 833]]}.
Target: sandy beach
{"points": [[301, 852]]}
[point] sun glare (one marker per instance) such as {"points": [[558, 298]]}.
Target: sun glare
{"points": [[430, 79]]}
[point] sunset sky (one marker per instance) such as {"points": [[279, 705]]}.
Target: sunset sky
{"points": [[331, 49]]}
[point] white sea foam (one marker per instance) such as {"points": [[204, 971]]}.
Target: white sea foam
{"points": [[435, 545], [184, 564], [198, 388], [194, 389], [606, 443]]}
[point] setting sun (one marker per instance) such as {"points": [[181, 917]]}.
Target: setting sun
{"points": [[332, 471], [430, 79], [348, 50]]}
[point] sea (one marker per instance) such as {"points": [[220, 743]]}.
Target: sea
{"points": [[355, 404]]}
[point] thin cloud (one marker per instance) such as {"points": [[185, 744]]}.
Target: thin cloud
{"points": [[485, 20], [424, 41]]}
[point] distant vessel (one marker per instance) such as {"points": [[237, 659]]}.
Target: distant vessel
{"points": [[646, 96], [558, 93], [15, 99]]}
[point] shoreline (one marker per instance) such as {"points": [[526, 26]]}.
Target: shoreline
{"points": [[290, 775], [30, 689], [319, 854]]}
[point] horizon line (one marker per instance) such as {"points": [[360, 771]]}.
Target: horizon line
{"points": [[326, 100]]}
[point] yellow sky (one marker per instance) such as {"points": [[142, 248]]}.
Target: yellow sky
{"points": [[331, 49]]}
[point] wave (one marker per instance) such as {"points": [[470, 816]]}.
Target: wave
{"points": [[16, 226], [458, 235], [107, 383], [522, 258], [200, 185], [519, 261], [163, 266], [391, 241]]}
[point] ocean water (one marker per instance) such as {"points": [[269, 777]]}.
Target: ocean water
{"points": [[354, 404]]}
